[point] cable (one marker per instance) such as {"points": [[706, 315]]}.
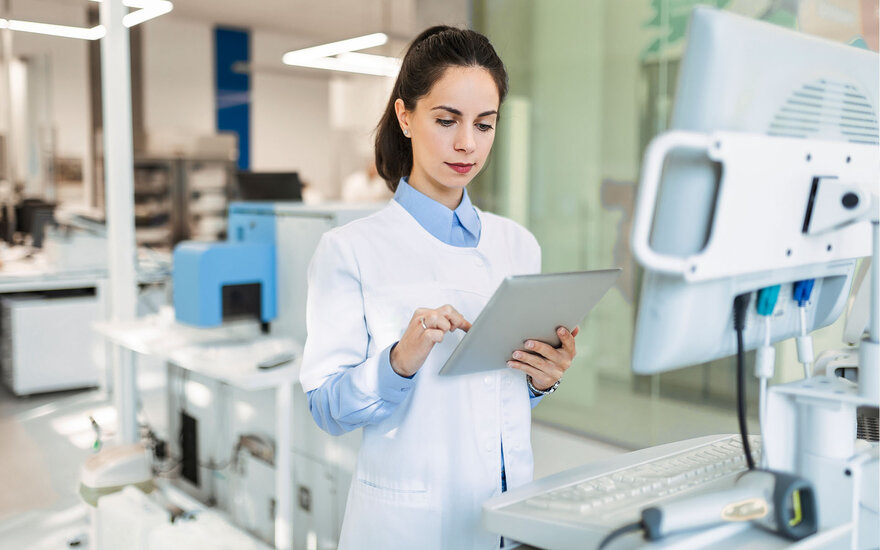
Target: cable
{"points": [[740, 305], [765, 356], [802, 291], [628, 528]]}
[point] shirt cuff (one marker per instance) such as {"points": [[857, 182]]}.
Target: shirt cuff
{"points": [[392, 386]]}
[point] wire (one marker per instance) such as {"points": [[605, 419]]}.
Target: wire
{"points": [[740, 304], [801, 294], [805, 345], [628, 528]]}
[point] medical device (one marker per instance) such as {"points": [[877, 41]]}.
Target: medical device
{"points": [[767, 178], [776, 501]]}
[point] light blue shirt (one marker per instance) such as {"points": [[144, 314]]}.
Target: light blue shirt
{"points": [[337, 405]]}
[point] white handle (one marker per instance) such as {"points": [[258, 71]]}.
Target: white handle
{"points": [[643, 217]]}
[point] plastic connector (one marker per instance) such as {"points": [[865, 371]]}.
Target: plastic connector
{"points": [[802, 291], [740, 306], [767, 300]]}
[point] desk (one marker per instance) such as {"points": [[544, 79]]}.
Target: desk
{"points": [[229, 354]]}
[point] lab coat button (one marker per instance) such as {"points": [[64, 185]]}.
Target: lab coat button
{"points": [[488, 380]]}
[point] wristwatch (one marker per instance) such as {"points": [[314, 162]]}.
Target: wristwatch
{"points": [[538, 392]]}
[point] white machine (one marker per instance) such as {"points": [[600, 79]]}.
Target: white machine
{"points": [[765, 188], [223, 435]]}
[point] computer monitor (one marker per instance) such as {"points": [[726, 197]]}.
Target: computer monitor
{"points": [[742, 75], [269, 186]]}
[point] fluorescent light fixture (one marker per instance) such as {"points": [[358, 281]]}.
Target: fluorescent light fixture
{"points": [[335, 48], [64, 31], [145, 10], [340, 56]]}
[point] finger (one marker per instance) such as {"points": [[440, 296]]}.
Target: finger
{"points": [[576, 331], [438, 322], [567, 341], [456, 318], [545, 350], [547, 367], [434, 335], [540, 379]]}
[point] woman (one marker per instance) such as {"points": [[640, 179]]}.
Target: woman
{"points": [[390, 296]]}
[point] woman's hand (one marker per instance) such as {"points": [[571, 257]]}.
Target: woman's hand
{"points": [[544, 363], [426, 328]]}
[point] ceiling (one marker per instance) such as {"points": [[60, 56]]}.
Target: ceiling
{"points": [[320, 20]]}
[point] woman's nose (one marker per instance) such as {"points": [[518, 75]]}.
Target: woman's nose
{"points": [[464, 141]]}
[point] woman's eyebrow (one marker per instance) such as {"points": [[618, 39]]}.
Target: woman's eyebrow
{"points": [[457, 112]]}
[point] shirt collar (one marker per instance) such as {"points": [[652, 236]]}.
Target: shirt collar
{"points": [[436, 218]]}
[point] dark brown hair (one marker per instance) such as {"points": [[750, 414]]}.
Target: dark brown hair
{"points": [[429, 55]]}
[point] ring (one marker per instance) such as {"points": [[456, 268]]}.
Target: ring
{"points": [[422, 320]]}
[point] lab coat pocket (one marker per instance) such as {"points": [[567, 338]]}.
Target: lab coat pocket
{"points": [[390, 518]]}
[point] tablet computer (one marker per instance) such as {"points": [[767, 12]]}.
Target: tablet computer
{"points": [[527, 307]]}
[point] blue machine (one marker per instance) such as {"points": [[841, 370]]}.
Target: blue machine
{"points": [[215, 282]]}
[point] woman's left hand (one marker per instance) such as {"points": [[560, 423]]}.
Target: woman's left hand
{"points": [[544, 363]]}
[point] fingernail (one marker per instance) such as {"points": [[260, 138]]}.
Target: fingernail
{"points": [[561, 331], [510, 363], [530, 344], [517, 355]]}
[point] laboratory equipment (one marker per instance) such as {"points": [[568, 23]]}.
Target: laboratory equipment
{"points": [[216, 282], [754, 187], [315, 477], [575, 509], [30, 366], [749, 78], [779, 502]]}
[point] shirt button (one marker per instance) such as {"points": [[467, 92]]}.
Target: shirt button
{"points": [[478, 262], [489, 445], [488, 380]]}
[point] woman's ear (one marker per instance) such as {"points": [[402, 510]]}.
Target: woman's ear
{"points": [[402, 116]]}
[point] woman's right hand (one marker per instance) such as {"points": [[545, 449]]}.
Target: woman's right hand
{"points": [[426, 328]]}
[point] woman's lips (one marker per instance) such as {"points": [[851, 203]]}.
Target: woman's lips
{"points": [[461, 168]]}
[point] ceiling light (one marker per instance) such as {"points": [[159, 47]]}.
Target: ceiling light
{"points": [[145, 10], [335, 48], [65, 31], [340, 56]]}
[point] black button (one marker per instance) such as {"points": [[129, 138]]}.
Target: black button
{"points": [[850, 200]]}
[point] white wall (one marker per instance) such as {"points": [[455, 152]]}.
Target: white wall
{"points": [[178, 77], [68, 78], [290, 113]]}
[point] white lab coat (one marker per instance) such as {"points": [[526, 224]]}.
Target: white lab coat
{"points": [[423, 472]]}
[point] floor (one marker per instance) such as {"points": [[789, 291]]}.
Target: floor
{"points": [[47, 438]]}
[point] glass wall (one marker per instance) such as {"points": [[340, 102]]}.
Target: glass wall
{"points": [[591, 82]]}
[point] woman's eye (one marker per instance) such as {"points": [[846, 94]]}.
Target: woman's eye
{"points": [[445, 122], [484, 127]]}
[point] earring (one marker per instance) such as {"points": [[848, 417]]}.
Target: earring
{"points": [[406, 132]]}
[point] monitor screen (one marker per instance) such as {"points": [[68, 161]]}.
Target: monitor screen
{"points": [[269, 186], [742, 75]]}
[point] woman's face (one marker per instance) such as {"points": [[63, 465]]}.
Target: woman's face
{"points": [[452, 129]]}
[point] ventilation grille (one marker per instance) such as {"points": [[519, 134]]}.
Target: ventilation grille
{"points": [[868, 427], [828, 110]]}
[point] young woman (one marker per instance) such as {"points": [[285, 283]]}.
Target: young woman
{"points": [[390, 296]]}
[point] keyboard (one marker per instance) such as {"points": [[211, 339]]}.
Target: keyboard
{"points": [[577, 508]]}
